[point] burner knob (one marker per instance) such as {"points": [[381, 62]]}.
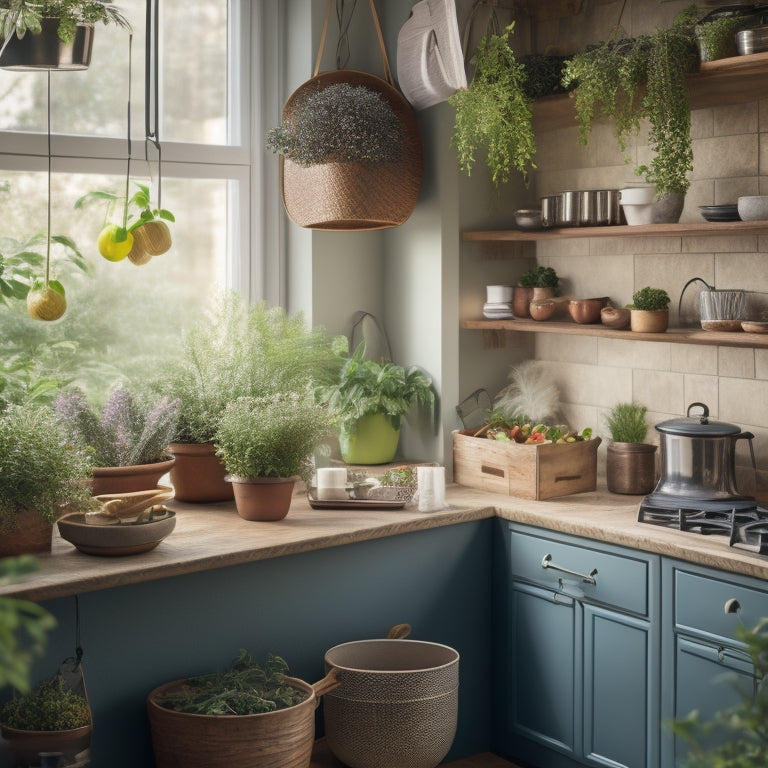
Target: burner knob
{"points": [[732, 606]]}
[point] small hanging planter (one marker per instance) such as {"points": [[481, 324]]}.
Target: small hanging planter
{"points": [[45, 50]]}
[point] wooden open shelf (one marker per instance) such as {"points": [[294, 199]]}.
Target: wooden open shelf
{"points": [[718, 83], [672, 336]]}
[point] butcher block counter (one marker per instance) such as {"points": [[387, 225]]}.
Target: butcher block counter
{"points": [[212, 536]]}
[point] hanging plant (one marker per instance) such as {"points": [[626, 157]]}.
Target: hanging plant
{"points": [[631, 80], [495, 112]]}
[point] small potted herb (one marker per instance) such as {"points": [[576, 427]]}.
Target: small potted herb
{"points": [[649, 310], [228, 717], [128, 438], [535, 284], [631, 462]]}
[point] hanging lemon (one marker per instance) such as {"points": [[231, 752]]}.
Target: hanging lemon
{"points": [[46, 302], [114, 242]]}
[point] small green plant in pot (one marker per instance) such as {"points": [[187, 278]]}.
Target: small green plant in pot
{"points": [[538, 283], [265, 444], [42, 476], [631, 462], [649, 310], [370, 400]]}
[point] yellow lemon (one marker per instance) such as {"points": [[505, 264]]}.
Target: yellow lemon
{"points": [[114, 243], [46, 302]]}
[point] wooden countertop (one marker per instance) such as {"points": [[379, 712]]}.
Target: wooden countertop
{"points": [[209, 536]]}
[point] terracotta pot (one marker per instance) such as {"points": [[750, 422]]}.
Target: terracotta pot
{"points": [[25, 747], [649, 321], [263, 498], [631, 468], [31, 536], [280, 739], [139, 477], [374, 441], [543, 292], [198, 474], [521, 299]]}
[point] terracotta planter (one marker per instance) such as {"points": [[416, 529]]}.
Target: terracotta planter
{"points": [[279, 739], [631, 468], [198, 474], [521, 300], [374, 441], [45, 51], [24, 747], [649, 321], [263, 498], [139, 477], [32, 536]]}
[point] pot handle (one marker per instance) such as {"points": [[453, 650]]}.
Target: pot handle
{"points": [[399, 632], [328, 683], [704, 416]]}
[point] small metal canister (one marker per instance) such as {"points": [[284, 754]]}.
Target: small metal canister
{"points": [[549, 206], [568, 209]]}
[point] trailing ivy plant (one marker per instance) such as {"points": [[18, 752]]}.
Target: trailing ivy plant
{"points": [[495, 112], [631, 80]]}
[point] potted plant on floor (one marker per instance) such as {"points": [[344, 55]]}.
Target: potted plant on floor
{"points": [[631, 462], [128, 439], [264, 444], [51, 718], [633, 80], [248, 715], [649, 310], [42, 476], [370, 400]]}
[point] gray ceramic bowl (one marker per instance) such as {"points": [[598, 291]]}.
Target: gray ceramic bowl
{"points": [[753, 208], [528, 218]]}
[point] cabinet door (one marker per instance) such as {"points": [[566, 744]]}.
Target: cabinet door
{"points": [[621, 712], [708, 678], [543, 682]]}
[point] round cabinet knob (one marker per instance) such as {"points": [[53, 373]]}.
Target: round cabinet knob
{"points": [[732, 606]]}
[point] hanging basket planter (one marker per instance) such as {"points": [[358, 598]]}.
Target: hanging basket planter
{"points": [[44, 50]]}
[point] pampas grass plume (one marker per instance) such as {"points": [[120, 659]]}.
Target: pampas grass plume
{"points": [[530, 395]]}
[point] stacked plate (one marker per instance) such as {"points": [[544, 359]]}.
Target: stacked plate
{"points": [[720, 212], [501, 310]]}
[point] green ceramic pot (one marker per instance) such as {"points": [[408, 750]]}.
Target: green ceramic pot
{"points": [[374, 441]]}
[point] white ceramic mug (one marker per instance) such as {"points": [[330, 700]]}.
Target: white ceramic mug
{"points": [[431, 481], [332, 484]]}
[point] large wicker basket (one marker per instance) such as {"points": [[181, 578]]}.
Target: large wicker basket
{"points": [[397, 705]]}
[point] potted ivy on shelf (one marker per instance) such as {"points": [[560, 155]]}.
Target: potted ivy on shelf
{"points": [[52, 34], [370, 400], [649, 310], [630, 462], [266, 443]]}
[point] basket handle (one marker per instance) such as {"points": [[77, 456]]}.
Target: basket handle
{"points": [[399, 632], [328, 683], [387, 71]]}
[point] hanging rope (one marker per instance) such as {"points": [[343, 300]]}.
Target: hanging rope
{"points": [[48, 224], [128, 122], [342, 46], [152, 93]]}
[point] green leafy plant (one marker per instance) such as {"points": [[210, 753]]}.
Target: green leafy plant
{"points": [[39, 468], [17, 17], [627, 424], [650, 299], [270, 436], [717, 38], [495, 112], [246, 688], [540, 277], [365, 387], [49, 706], [128, 431], [339, 123], [24, 627], [543, 74], [742, 729], [631, 80]]}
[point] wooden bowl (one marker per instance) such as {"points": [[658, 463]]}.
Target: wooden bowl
{"points": [[615, 317], [585, 311]]}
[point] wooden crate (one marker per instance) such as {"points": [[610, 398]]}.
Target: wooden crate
{"points": [[541, 471]]}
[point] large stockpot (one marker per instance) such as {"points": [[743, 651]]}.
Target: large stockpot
{"points": [[698, 457], [397, 702]]}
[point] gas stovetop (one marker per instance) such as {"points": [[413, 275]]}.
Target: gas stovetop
{"points": [[741, 519]]}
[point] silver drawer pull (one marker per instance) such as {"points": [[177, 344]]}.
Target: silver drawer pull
{"points": [[732, 606], [546, 562]]}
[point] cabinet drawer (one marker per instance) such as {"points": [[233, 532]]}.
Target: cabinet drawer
{"points": [[715, 607], [621, 580]]}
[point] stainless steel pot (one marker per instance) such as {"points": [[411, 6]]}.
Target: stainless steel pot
{"points": [[698, 457]]}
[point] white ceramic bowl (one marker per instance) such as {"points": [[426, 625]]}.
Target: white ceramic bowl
{"points": [[753, 208]]}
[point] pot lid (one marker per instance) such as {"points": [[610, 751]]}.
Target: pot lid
{"points": [[698, 425]]}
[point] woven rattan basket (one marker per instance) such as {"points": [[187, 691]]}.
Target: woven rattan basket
{"points": [[354, 195], [397, 704]]}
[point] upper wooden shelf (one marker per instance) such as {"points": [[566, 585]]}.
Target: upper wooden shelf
{"points": [[672, 336], [687, 229], [718, 83]]}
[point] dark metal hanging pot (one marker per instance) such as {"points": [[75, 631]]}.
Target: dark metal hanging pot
{"points": [[44, 50], [698, 458]]}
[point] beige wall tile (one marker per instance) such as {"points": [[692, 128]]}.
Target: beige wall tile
{"points": [[729, 191], [660, 390], [702, 389], [560, 348], [634, 354], [702, 123], [736, 362], [590, 384], [761, 364], [552, 249], [610, 246], [583, 277], [692, 358], [744, 401], [735, 119], [742, 270], [724, 156], [701, 192], [720, 244]]}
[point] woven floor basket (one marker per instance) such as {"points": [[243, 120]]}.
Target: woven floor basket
{"points": [[280, 739], [354, 195], [397, 705]]}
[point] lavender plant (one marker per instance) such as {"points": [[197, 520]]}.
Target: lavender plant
{"points": [[128, 431]]}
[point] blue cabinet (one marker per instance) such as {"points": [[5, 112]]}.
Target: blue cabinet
{"points": [[583, 660]]}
